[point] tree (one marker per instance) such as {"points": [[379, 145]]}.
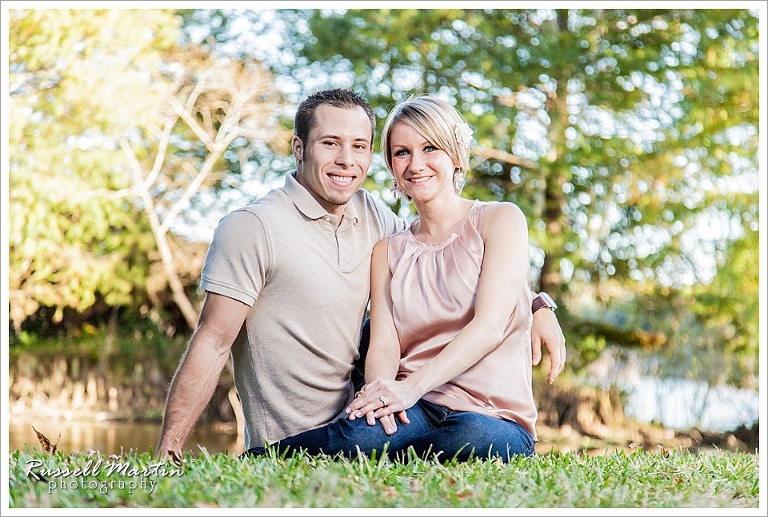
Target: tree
{"points": [[213, 108], [75, 78], [115, 132], [616, 130]]}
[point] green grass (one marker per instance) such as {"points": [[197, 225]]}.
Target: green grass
{"points": [[568, 480]]}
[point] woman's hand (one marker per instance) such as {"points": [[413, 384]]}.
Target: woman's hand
{"points": [[382, 399]]}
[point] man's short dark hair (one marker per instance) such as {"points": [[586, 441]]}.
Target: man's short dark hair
{"points": [[305, 120]]}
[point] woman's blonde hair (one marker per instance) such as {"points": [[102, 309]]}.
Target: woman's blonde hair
{"points": [[435, 120]]}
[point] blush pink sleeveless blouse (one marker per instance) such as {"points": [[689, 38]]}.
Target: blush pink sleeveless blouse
{"points": [[433, 292]]}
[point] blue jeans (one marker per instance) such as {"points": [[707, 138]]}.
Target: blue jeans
{"points": [[434, 430]]}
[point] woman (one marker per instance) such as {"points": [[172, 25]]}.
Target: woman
{"points": [[450, 300]]}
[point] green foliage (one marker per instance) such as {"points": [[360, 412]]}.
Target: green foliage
{"points": [[77, 78], [728, 310], [713, 331], [121, 350], [626, 135], [114, 132], [570, 480], [589, 348]]}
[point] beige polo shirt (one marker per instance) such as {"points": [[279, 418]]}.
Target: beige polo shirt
{"points": [[306, 278]]}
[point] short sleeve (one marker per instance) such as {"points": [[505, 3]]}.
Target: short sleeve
{"points": [[388, 221], [239, 257]]}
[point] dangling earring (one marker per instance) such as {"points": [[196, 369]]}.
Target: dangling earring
{"points": [[458, 181], [396, 191]]}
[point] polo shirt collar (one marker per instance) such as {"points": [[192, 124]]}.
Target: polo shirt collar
{"points": [[308, 205]]}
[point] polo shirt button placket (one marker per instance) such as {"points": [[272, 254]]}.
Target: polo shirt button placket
{"points": [[343, 245], [343, 253]]}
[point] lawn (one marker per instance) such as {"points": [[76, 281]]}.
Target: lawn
{"points": [[640, 479]]}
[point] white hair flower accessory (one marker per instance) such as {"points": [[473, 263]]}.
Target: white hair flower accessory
{"points": [[463, 134]]}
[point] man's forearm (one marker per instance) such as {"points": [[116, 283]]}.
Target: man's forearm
{"points": [[191, 390]]}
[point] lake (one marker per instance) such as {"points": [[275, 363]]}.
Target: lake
{"points": [[110, 437]]}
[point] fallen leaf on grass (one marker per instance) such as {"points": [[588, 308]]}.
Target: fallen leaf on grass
{"points": [[45, 442]]}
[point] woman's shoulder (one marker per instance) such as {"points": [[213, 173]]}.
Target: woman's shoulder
{"points": [[382, 244], [502, 216], [501, 209]]}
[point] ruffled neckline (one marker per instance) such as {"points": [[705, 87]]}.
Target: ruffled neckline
{"points": [[451, 237]]}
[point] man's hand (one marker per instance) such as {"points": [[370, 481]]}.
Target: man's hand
{"points": [[168, 454], [546, 329]]}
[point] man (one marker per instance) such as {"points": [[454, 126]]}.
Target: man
{"points": [[287, 286]]}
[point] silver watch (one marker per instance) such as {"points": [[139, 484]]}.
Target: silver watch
{"points": [[543, 300]]}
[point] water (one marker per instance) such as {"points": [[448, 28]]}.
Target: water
{"points": [[675, 403], [683, 404], [110, 437]]}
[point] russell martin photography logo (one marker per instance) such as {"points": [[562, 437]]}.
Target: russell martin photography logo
{"points": [[101, 477]]}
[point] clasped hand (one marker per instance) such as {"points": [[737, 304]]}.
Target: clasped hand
{"points": [[382, 400]]}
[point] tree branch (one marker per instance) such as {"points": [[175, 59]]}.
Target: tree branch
{"points": [[488, 153]]}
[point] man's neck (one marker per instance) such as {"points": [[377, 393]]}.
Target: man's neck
{"points": [[332, 209]]}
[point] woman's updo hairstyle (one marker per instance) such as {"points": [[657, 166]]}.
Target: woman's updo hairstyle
{"points": [[437, 121]]}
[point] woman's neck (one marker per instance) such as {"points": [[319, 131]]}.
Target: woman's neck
{"points": [[439, 218]]}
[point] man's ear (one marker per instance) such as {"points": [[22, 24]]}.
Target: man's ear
{"points": [[298, 148]]}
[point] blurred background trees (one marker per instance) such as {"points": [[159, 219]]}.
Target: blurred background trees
{"points": [[628, 136], [115, 133]]}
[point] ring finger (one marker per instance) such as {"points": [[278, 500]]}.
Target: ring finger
{"points": [[364, 405]]}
